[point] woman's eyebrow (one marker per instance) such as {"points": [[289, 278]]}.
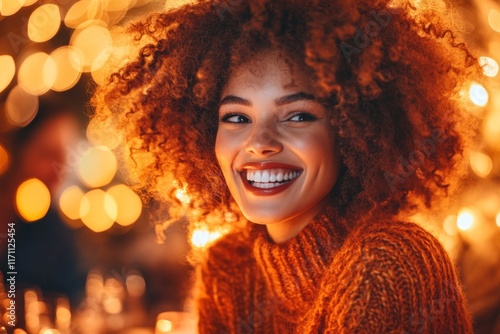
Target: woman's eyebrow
{"points": [[231, 99], [294, 98]]}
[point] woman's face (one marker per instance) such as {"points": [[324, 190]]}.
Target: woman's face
{"points": [[275, 145]]}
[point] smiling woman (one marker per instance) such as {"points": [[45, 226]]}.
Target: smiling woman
{"points": [[275, 145], [252, 110]]}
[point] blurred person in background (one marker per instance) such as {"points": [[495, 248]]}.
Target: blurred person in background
{"points": [[46, 254]]}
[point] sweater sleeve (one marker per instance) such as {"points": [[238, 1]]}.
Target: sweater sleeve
{"points": [[389, 278]]}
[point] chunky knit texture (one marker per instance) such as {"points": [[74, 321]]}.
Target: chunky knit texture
{"points": [[376, 277]]}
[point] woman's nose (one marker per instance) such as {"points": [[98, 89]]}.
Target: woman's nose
{"points": [[263, 141]]}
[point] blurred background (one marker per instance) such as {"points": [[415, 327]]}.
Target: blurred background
{"points": [[87, 259]]}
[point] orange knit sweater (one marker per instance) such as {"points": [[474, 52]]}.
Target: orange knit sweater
{"points": [[378, 277]]}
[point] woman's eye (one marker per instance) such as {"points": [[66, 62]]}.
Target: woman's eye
{"points": [[303, 117], [234, 118]]}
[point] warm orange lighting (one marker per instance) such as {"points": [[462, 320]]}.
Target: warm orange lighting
{"points": [[98, 210], [136, 285], [112, 305], [29, 2], [32, 200], [128, 202], [203, 237], [37, 73], [164, 326], [10, 7], [44, 23], [450, 225], [20, 107], [49, 331], [103, 133], [69, 67], [478, 94], [182, 196], [494, 19], [8, 67], [97, 167], [491, 128], [82, 13], [69, 202], [95, 43], [498, 220], [4, 160], [489, 65], [481, 163], [114, 6], [466, 219]]}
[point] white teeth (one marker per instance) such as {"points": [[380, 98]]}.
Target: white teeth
{"points": [[270, 176], [257, 177]]}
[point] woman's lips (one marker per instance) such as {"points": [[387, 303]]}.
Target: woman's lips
{"points": [[268, 178]]}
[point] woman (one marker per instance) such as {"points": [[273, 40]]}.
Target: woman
{"points": [[317, 126]]}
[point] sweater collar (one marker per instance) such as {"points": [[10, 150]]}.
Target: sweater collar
{"points": [[293, 269]]}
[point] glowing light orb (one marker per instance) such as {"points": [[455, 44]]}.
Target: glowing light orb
{"points": [[20, 107], [10, 7], [32, 200], [69, 202], [498, 220], [82, 13], [494, 19], [4, 160], [478, 95], [8, 68], [481, 164], [95, 44], [97, 167], [69, 68], [466, 219], [450, 225], [98, 210], [128, 202], [489, 65], [202, 237], [44, 23], [164, 326], [37, 73]]}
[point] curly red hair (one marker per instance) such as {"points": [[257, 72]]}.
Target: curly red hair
{"points": [[390, 75]]}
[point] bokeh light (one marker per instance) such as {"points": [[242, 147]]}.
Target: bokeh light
{"points": [[29, 2], [97, 167], [202, 237], [8, 67], [498, 219], [32, 200], [164, 326], [98, 210], [37, 74], [478, 94], [44, 23], [4, 160], [10, 7], [103, 133], [481, 164], [69, 67], [69, 202], [450, 225], [20, 107], [466, 219], [82, 13], [95, 43], [489, 65], [136, 285], [128, 202], [494, 19]]}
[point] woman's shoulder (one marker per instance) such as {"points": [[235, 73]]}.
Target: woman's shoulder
{"points": [[231, 252]]}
